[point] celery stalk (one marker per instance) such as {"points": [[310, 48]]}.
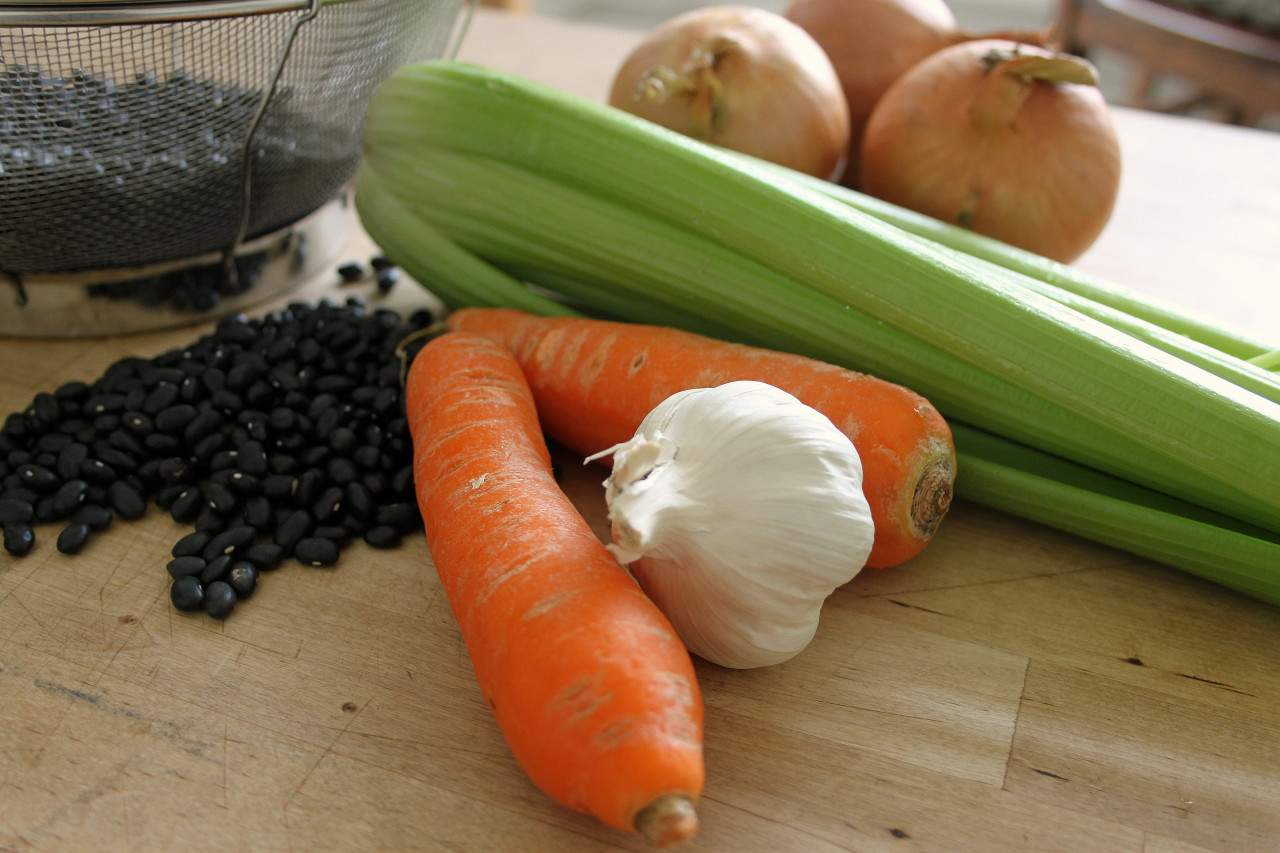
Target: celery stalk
{"points": [[1223, 433], [486, 206], [1069, 279], [1027, 483]]}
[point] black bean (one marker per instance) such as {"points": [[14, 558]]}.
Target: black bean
{"points": [[187, 594], [37, 477], [401, 515], [296, 526], [46, 409], [19, 492], [308, 488], [337, 532], [72, 457], [174, 419], [388, 400], [315, 551], [253, 458], [138, 423], [73, 537], [243, 578], [69, 496], [359, 500], [168, 494], [209, 519], [230, 540], [101, 404], [53, 442], [126, 442], [215, 569], [115, 458], [126, 500], [257, 511], [175, 469], [96, 516], [244, 483], [329, 505], [204, 449], [228, 401], [341, 470], [98, 472], [162, 444], [13, 510], [343, 440], [367, 456], [191, 545], [219, 600], [223, 459], [386, 279], [221, 498], [187, 506], [351, 272], [265, 555], [202, 425], [19, 538], [180, 567], [383, 536], [278, 486], [160, 397], [402, 480], [45, 510]]}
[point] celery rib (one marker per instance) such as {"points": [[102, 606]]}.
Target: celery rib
{"points": [[1026, 483], [1141, 307], [575, 234], [1222, 432]]}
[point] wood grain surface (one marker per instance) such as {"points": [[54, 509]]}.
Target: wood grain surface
{"points": [[1011, 689]]}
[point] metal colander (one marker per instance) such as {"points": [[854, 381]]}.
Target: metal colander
{"points": [[145, 136]]}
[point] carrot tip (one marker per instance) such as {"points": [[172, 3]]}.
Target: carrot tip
{"points": [[668, 820]]}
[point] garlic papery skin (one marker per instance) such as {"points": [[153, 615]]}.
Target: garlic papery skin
{"points": [[739, 510]]}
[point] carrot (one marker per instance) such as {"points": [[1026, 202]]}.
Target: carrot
{"points": [[592, 689], [594, 381]]}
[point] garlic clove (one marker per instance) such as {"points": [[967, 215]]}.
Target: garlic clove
{"points": [[739, 509]]}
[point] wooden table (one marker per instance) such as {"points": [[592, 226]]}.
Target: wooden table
{"points": [[1011, 689]]}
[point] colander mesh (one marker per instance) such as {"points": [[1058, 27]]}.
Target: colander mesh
{"points": [[122, 145]]}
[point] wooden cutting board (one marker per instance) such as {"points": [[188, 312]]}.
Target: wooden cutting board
{"points": [[1011, 689]]}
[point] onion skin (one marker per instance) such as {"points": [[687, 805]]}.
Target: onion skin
{"points": [[871, 43], [742, 78], [1033, 163]]}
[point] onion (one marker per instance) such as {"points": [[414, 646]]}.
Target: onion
{"points": [[872, 43], [741, 78], [1008, 140]]}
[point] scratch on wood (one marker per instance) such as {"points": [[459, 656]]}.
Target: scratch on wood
{"points": [[1050, 775], [165, 729], [1219, 684], [917, 607]]}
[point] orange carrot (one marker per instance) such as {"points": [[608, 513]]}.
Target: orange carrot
{"points": [[592, 689], [594, 381]]}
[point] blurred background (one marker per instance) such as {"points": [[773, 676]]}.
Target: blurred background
{"points": [[1217, 60]]}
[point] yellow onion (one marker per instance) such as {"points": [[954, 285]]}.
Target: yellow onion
{"points": [[742, 78], [871, 43], [1008, 140]]}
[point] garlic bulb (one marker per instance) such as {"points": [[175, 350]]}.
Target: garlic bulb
{"points": [[739, 509]]}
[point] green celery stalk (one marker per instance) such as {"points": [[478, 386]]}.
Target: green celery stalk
{"points": [[434, 260], [1225, 434], [1060, 276], [486, 206], [1024, 482]]}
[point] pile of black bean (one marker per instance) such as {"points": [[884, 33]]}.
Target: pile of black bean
{"points": [[276, 437]]}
